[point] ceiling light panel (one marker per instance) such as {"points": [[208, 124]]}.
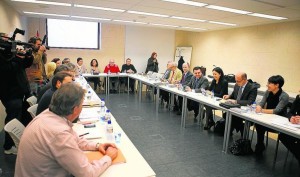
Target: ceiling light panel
{"points": [[43, 2], [189, 19], [222, 23], [46, 14], [267, 16], [127, 21], [98, 8], [146, 13], [186, 2], [157, 24], [91, 18], [226, 9]]}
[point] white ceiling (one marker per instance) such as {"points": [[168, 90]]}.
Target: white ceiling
{"points": [[289, 9]]}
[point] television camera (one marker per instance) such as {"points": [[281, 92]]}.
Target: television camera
{"points": [[8, 46]]}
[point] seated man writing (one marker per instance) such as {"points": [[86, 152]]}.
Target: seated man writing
{"points": [[50, 147]]}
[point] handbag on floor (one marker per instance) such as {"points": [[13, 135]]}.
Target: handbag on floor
{"points": [[241, 147]]}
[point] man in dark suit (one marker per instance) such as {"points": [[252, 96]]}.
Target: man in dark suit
{"points": [[198, 82], [244, 93], [186, 78]]}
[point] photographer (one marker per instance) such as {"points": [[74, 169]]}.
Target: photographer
{"points": [[36, 73], [14, 87]]}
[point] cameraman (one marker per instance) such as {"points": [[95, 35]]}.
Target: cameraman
{"points": [[14, 88], [36, 73]]}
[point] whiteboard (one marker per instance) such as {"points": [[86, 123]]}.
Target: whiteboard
{"points": [[186, 52]]}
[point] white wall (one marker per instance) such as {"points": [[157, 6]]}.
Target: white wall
{"points": [[140, 42]]}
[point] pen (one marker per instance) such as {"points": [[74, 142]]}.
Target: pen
{"points": [[83, 134]]}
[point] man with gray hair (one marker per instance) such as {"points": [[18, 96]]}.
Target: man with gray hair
{"points": [[50, 147]]}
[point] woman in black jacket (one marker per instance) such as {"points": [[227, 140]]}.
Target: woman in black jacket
{"points": [[219, 87], [152, 64]]}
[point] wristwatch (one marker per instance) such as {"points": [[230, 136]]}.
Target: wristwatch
{"points": [[97, 146]]}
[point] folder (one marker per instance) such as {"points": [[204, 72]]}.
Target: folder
{"points": [[96, 155]]}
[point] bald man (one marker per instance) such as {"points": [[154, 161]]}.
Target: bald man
{"points": [[247, 96], [113, 81]]}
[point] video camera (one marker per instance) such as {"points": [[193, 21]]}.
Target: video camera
{"points": [[44, 42], [8, 46]]}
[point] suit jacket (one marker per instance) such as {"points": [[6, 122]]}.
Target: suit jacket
{"points": [[187, 78], [202, 83], [177, 75], [248, 96]]}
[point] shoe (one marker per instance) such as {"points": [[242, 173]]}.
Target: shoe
{"points": [[210, 124], [259, 149], [12, 150]]}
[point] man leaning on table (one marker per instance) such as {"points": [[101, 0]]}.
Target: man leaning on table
{"points": [[50, 147], [244, 93], [197, 83]]}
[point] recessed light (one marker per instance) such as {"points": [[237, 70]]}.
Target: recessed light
{"points": [[44, 2], [227, 9], [190, 19], [191, 3], [267, 16], [99, 8], [222, 23], [92, 18], [38, 13], [146, 13]]}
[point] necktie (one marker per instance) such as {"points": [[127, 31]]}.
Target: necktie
{"points": [[239, 93], [196, 83], [172, 75], [183, 78]]}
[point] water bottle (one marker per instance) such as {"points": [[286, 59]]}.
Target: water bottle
{"points": [[253, 106], [212, 94], [180, 87], [92, 72], [118, 137], [108, 72], [109, 131], [89, 95], [107, 115], [102, 106]]}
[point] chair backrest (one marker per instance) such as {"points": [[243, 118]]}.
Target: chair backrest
{"points": [[32, 100], [32, 110], [15, 129]]}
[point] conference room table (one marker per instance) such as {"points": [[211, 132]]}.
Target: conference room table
{"points": [[106, 79], [272, 121], [142, 79], [135, 165]]}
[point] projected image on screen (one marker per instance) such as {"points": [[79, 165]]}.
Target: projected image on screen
{"points": [[72, 34]]}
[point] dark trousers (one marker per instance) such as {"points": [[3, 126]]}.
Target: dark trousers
{"points": [[237, 124], [291, 143], [209, 114], [131, 83], [180, 99], [13, 108], [193, 105], [96, 81], [260, 131], [164, 95]]}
